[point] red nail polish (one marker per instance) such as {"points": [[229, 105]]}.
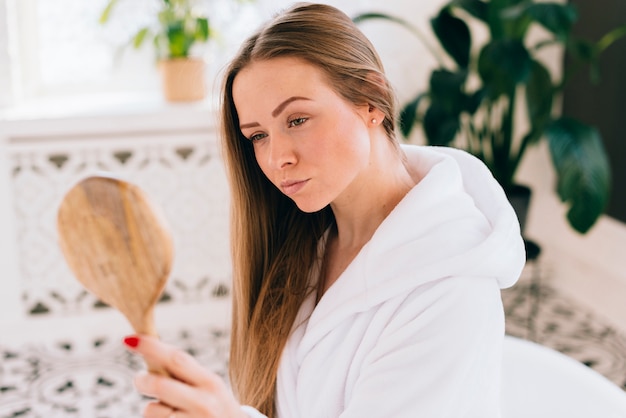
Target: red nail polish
{"points": [[132, 342]]}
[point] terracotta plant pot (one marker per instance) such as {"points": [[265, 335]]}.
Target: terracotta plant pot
{"points": [[183, 79]]}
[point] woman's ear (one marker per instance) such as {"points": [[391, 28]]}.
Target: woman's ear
{"points": [[377, 86], [374, 116]]}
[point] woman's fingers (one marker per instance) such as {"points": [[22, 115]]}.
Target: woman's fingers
{"points": [[191, 390], [170, 392], [186, 400], [158, 410], [177, 363]]}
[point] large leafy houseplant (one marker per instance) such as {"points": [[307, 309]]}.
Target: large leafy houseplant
{"points": [[472, 103]]}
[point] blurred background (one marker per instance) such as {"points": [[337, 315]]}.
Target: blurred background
{"points": [[77, 97]]}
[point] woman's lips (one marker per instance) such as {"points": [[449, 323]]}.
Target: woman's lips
{"points": [[290, 187]]}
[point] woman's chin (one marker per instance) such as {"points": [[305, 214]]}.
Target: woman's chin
{"points": [[308, 206]]}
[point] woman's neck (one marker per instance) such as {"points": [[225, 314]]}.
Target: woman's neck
{"points": [[372, 196], [359, 213]]}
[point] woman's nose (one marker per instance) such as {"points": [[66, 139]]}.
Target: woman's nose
{"points": [[282, 152]]}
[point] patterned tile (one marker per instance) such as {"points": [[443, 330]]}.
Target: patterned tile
{"points": [[89, 379], [538, 312]]}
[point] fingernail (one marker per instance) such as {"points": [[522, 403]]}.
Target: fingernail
{"points": [[132, 341]]}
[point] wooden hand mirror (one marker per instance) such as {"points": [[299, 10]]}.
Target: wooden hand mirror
{"points": [[118, 247]]}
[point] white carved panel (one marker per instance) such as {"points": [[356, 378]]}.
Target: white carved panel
{"points": [[181, 173]]}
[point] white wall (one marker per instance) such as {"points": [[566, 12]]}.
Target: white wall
{"points": [[6, 89]]}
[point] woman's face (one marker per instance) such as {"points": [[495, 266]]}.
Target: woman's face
{"points": [[310, 142]]}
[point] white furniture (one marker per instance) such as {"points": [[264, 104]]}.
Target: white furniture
{"points": [[171, 151], [539, 382]]}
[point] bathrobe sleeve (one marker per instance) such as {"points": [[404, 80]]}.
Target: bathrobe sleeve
{"points": [[438, 357]]}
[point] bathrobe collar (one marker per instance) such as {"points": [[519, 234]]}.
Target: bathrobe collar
{"points": [[426, 238]]}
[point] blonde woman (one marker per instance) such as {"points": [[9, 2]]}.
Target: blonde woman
{"points": [[367, 274]]}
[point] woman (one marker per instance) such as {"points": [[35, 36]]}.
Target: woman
{"points": [[367, 274]]}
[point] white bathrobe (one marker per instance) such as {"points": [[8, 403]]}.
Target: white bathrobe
{"points": [[414, 326]]}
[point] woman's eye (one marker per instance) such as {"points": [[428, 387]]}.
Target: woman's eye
{"points": [[257, 137], [297, 122]]}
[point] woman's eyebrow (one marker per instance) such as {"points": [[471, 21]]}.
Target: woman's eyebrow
{"points": [[284, 104], [249, 125], [275, 112]]}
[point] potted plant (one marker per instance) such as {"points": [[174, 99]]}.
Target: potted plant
{"points": [[472, 103], [177, 28]]}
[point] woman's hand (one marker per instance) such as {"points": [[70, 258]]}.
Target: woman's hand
{"points": [[190, 392]]}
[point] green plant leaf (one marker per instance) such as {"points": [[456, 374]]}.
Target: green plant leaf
{"points": [[167, 17], [502, 64], [178, 41], [383, 16], [440, 126], [473, 101], [610, 37], [454, 35], [476, 8], [106, 13], [418, 34], [362, 17], [140, 36], [494, 18], [408, 115], [539, 95], [446, 89], [582, 50], [557, 18], [202, 29], [583, 174], [515, 20]]}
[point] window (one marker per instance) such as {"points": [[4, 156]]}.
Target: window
{"points": [[61, 47], [58, 47]]}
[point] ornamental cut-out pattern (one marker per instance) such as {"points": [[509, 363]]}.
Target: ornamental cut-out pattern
{"points": [[538, 312], [90, 377], [182, 174]]}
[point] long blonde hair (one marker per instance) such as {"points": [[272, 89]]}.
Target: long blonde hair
{"points": [[274, 244]]}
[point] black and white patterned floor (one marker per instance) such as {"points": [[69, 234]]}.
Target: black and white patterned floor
{"points": [[89, 378], [536, 311], [92, 378]]}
